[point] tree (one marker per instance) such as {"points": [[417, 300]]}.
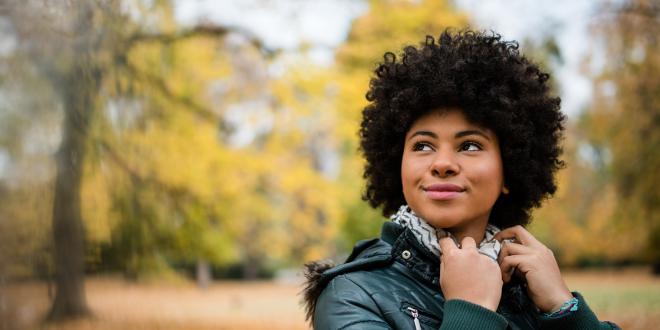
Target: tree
{"points": [[606, 208], [76, 47], [76, 82], [624, 120]]}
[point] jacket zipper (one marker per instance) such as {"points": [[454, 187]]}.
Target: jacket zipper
{"points": [[415, 314]]}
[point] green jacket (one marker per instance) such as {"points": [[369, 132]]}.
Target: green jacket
{"points": [[393, 283]]}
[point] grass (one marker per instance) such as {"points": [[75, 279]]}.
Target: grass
{"points": [[631, 298]]}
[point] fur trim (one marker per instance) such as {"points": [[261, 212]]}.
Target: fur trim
{"points": [[314, 285]]}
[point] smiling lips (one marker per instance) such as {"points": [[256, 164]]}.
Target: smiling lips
{"points": [[443, 192]]}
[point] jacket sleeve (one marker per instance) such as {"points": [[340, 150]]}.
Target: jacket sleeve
{"points": [[345, 305], [460, 314], [581, 319]]}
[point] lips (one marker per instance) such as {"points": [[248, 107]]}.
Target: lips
{"points": [[443, 191]]}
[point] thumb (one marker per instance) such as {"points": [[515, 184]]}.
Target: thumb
{"points": [[447, 244]]}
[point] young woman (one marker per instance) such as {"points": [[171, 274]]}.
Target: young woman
{"points": [[461, 140]]}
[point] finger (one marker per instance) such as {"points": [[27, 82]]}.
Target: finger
{"points": [[518, 233], [447, 244], [515, 232], [509, 265], [509, 248], [468, 243]]}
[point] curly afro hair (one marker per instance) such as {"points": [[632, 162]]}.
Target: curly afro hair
{"points": [[494, 86]]}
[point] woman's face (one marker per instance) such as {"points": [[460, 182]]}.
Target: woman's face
{"points": [[451, 172]]}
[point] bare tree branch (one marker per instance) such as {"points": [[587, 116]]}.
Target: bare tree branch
{"points": [[141, 179], [160, 85], [199, 30]]}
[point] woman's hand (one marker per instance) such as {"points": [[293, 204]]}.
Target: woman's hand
{"points": [[536, 263], [468, 275]]}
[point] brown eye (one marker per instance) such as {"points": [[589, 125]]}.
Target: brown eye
{"points": [[422, 146], [470, 146]]}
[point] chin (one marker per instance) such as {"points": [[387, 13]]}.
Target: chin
{"points": [[443, 221], [443, 224]]}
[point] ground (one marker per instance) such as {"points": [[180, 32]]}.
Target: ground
{"points": [[628, 297]]}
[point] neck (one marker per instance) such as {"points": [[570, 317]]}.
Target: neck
{"points": [[475, 230]]}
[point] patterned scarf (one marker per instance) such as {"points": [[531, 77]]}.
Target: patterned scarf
{"points": [[428, 236]]}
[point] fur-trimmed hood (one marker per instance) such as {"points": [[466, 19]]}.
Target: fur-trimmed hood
{"points": [[366, 254], [314, 285]]}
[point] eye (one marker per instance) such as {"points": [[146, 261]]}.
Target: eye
{"points": [[470, 146], [422, 146]]}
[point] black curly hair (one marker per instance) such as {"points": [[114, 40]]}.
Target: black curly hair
{"points": [[494, 86]]}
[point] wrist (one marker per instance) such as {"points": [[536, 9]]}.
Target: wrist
{"points": [[558, 302], [569, 306]]}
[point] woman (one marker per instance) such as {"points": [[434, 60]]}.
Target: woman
{"points": [[461, 139]]}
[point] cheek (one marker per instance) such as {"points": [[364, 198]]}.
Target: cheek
{"points": [[489, 176], [405, 173], [411, 171]]}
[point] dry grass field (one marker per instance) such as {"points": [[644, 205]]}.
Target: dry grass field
{"points": [[631, 298]]}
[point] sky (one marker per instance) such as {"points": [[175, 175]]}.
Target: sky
{"points": [[568, 21], [281, 24], [322, 25]]}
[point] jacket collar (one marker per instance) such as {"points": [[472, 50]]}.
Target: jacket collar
{"points": [[411, 253], [390, 232], [425, 266]]}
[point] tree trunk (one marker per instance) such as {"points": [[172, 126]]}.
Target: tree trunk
{"points": [[80, 91], [251, 268], [203, 274]]}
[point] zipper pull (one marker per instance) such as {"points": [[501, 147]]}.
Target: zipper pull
{"points": [[415, 314]]}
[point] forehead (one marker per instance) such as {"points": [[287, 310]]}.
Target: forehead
{"points": [[451, 120]]}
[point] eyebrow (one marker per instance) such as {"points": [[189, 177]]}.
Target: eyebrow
{"points": [[472, 132], [457, 135]]}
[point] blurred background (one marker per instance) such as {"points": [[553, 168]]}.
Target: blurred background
{"points": [[172, 164]]}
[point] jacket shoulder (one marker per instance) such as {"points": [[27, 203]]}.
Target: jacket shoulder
{"points": [[345, 303], [366, 255]]}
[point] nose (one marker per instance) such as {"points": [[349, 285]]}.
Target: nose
{"points": [[444, 164]]}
